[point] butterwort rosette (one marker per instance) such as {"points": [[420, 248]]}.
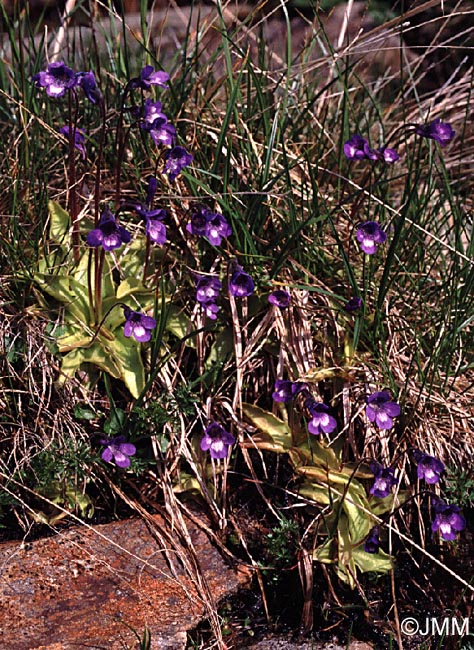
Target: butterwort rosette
{"points": [[217, 441], [448, 520], [138, 325], [117, 451], [384, 480], [372, 542], [441, 132], [321, 422], [370, 235], [428, 467], [175, 161], [380, 409], [279, 298], [241, 284], [108, 234], [56, 79]]}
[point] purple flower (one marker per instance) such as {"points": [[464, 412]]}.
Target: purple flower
{"points": [[283, 390], [384, 153], [384, 479], [138, 325], [353, 305], [151, 111], [176, 160], [57, 78], [207, 292], [442, 132], [380, 409], [370, 235], [241, 284], [156, 230], [207, 289], [148, 77], [79, 139], [160, 130], [372, 542], [388, 155], [199, 223], [280, 298], [88, 84], [321, 421], [117, 451], [152, 186], [357, 148], [212, 225], [218, 229], [354, 148], [109, 234], [428, 468], [211, 309], [216, 440], [448, 520]]}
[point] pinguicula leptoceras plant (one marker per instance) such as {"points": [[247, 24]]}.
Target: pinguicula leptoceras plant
{"points": [[153, 120], [91, 335], [58, 80]]}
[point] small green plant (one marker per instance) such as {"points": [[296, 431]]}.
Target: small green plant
{"points": [[282, 543], [60, 473], [460, 486]]}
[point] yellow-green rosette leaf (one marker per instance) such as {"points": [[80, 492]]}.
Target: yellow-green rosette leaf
{"points": [[378, 562], [59, 222], [272, 433]]}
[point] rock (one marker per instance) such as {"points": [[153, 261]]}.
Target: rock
{"points": [[94, 586]]}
